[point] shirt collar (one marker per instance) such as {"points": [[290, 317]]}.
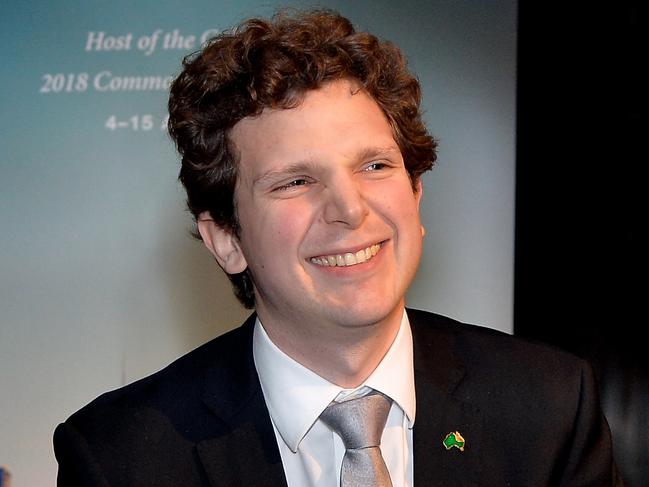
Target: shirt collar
{"points": [[296, 396]]}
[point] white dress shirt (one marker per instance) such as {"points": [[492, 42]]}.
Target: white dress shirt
{"points": [[311, 453]]}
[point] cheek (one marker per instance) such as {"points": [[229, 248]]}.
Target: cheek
{"points": [[285, 237], [398, 203], [407, 223], [277, 232]]}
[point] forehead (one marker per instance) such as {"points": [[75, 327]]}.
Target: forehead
{"points": [[337, 120]]}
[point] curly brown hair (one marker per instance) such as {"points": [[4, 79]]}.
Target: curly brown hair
{"points": [[272, 63]]}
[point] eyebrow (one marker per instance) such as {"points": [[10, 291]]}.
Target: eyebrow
{"points": [[372, 152]]}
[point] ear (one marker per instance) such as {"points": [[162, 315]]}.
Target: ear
{"points": [[419, 192], [222, 244]]}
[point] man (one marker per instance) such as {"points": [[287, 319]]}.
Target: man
{"points": [[303, 148]]}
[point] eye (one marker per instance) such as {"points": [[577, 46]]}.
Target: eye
{"points": [[376, 166], [294, 183]]}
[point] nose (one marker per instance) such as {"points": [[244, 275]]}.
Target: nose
{"points": [[345, 203]]}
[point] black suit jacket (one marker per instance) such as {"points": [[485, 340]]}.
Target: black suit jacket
{"points": [[529, 415]]}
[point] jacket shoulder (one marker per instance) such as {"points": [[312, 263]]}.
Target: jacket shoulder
{"points": [[479, 346]]}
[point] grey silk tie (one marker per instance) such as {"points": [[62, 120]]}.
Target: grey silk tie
{"points": [[360, 422]]}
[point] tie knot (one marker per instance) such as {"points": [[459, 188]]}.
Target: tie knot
{"points": [[360, 421]]}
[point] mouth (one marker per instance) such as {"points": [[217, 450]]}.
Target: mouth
{"points": [[347, 259]]}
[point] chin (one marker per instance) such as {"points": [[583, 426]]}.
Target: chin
{"points": [[364, 314]]}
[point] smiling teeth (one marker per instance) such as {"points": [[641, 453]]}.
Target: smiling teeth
{"points": [[348, 259]]}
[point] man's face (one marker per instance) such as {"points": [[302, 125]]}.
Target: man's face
{"points": [[330, 226]]}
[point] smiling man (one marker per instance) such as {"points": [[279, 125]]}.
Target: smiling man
{"points": [[302, 151], [325, 188]]}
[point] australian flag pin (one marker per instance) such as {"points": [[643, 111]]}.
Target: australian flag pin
{"points": [[454, 440]]}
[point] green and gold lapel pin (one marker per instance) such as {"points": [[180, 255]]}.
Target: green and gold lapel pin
{"points": [[454, 440]]}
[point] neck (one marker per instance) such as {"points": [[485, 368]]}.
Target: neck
{"points": [[343, 355]]}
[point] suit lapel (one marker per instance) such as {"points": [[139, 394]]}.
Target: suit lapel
{"points": [[438, 373], [246, 453]]}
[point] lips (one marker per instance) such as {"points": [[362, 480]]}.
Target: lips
{"points": [[347, 259]]}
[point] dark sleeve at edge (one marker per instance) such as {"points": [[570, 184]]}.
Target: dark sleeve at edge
{"points": [[77, 466], [590, 460]]}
